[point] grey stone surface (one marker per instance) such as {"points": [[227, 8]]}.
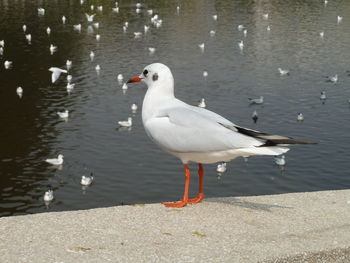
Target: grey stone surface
{"points": [[298, 227]]}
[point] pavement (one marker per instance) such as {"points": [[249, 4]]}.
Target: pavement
{"points": [[298, 227]]}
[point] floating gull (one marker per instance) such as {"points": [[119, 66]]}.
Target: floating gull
{"points": [[201, 103], [70, 87], [77, 27], [48, 196], [177, 9], [283, 72], [100, 8], [266, 16], [322, 34], [24, 27], [256, 101], [2, 43], [86, 180], [69, 78], [98, 68], [92, 55], [137, 34], [48, 30], [63, 114], [245, 32], [134, 107], [212, 33], [56, 72], [240, 27], [150, 12], [7, 64], [333, 79], [215, 17], [115, 9], [68, 64], [146, 28], [138, 5], [98, 37], [53, 49], [92, 7], [280, 161], [55, 161], [19, 92], [300, 117], [241, 45], [201, 46], [205, 74], [96, 25], [151, 50], [124, 87], [64, 19], [323, 96], [41, 11], [138, 10], [126, 24], [268, 28], [125, 28], [29, 38], [255, 116], [127, 123], [120, 77], [1, 51], [339, 19], [221, 167]]}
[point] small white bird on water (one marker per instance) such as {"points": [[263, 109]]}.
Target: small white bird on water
{"points": [[194, 134], [120, 77], [41, 11], [240, 27], [29, 38], [70, 87], [1, 51], [2, 43], [300, 117], [63, 114], [69, 64], [64, 19], [245, 32], [7, 64], [323, 95], [86, 180], [256, 101], [201, 103], [90, 18], [48, 30], [283, 72], [48, 196], [19, 92], [215, 17], [280, 161], [77, 27], [134, 107], [322, 34], [98, 37], [146, 28], [69, 78], [266, 16], [124, 87], [53, 49], [212, 33], [56, 73], [333, 79], [201, 46], [24, 27], [221, 167], [98, 68], [151, 50], [241, 45], [255, 116], [339, 19], [56, 161], [137, 34], [127, 123], [205, 74], [92, 55]]}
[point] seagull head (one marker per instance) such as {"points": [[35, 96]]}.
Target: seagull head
{"points": [[156, 76]]}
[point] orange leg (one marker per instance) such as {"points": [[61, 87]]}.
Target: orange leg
{"points": [[183, 201], [201, 192]]}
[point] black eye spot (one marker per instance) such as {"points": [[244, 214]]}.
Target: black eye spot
{"points": [[155, 77], [145, 72]]}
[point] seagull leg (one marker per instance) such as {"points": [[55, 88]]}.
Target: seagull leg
{"points": [[183, 201], [201, 193]]}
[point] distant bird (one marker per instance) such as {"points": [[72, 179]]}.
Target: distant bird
{"points": [[245, 32], [29, 38], [280, 160], [134, 107], [127, 123], [19, 92], [322, 34], [1, 51], [90, 18], [300, 117], [92, 7], [48, 196], [146, 28], [325, 2], [98, 68], [77, 27], [56, 72], [256, 101], [215, 17], [64, 19], [201, 46], [2, 43], [241, 45], [221, 167], [68, 64], [333, 79], [120, 77], [41, 11], [138, 5], [268, 28], [202, 104], [125, 28], [96, 25], [92, 55], [24, 27], [212, 33], [53, 49], [266, 16], [151, 50], [63, 114], [70, 87], [124, 87], [177, 9], [283, 72], [138, 10], [7, 64], [255, 116], [69, 78], [86, 180], [98, 37], [205, 74], [339, 19], [55, 161], [48, 30], [240, 27], [100, 8], [137, 34], [150, 12], [115, 9], [323, 96]]}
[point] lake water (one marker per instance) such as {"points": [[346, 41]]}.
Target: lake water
{"points": [[127, 166]]}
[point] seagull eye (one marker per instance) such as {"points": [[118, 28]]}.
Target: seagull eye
{"points": [[145, 72]]}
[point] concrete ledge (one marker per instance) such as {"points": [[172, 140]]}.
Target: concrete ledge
{"points": [[296, 227]]}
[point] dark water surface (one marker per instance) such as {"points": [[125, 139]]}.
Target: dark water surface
{"points": [[128, 167]]}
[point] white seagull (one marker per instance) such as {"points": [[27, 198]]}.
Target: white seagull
{"points": [[339, 19], [283, 72], [300, 117], [201, 103], [41, 11], [56, 72], [68, 64], [120, 77], [92, 55], [212, 33], [86, 180], [48, 196], [63, 114], [69, 78], [53, 49], [7, 64], [24, 27], [127, 123], [77, 27], [221, 167], [48, 30], [19, 92], [151, 50], [55, 161], [134, 107], [90, 18], [333, 79], [194, 134], [241, 45], [201, 46], [29, 38], [280, 161], [70, 87], [64, 19], [256, 101]]}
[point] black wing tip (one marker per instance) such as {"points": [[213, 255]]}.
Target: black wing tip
{"points": [[285, 142]]}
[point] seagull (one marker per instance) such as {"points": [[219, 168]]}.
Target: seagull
{"points": [[194, 134], [124, 87], [98, 68], [120, 77], [41, 11], [300, 117], [138, 5], [115, 9], [77, 27], [125, 28], [150, 12], [205, 74], [145, 28], [56, 72], [323, 96], [138, 10], [280, 161], [221, 167], [48, 196], [96, 25], [151, 50], [7, 64], [127, 123], [2, 43], [339, 19], [90, 18], [63, 114], [256, 101], [100, 8], [64, 19], [215, 17], [24, 27], [134, 107], [19, 92], [283, 72], [53, 49], [245, 32], [268, 28], [177, 9], [201, 46], [333, 79], [322, 34], [255, 116], [86, 180], [29, 38], [92, 55], [48, 30], [1, 51], [202, 103], [137, 34], [241, 45], [266, 16], [92, 7], [70, 87], [98, 37], [69, 78], [212, 33], [240, 27], [55, 161], [68, 64]]}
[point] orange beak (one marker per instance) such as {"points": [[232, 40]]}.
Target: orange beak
{"points": [[134, 79]]}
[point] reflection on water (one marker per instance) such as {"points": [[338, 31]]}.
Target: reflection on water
{"points": [[127, 167]]}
